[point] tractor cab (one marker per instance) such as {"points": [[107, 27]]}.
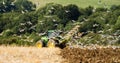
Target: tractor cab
{"points": [[52, 34]]}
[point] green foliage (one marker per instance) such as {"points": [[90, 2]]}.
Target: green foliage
{"points": [[49, 9], [115, 7], [24, 5], [67, 13], [82, 18], [8, 33], [26, 23], [94, 23], [100, 39], [69, 26], [88, 10], [70, 12], [6, 6], [16, 5], [21, 24], [8, 41], [47, 23], [111, 18], [117, 24]]}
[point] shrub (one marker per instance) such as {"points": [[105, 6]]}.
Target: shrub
{"points": [[69, 12], [49, 9], [117, 24], [89, 10], [115, 7], [101, 10], [24, 6]]}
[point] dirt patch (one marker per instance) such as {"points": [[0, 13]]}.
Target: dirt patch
{"points": [[98, 55]]}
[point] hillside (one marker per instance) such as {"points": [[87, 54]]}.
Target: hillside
{"points": [[22, 24], [80, 3]]}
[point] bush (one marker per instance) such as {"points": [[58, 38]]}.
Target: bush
{"points": [[111, 18], [6, 6], [69, 12], [49, 9], [100, 39], [8, 33], [26, 23], [48, 23], [24, 6], [89, 10], [91, 25], [18, 5], [101, 10], [8, 40], [115, 7], [117, 24]]}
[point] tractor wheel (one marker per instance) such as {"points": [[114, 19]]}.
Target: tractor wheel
{"points": [[39, 44], [51, 43]]}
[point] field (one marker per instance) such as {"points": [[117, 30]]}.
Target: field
{"points": [[91, 55], [20, 30], [80, 3], [55, 55], [29, 55]]}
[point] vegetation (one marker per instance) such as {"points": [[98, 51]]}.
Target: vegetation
{"points": [[21, 23]]}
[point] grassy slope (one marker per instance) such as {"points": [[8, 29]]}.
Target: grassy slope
{"points": [[80, 3]]}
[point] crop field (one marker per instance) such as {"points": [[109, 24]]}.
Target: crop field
{"points": [[95, 55], [29, 55], [80, 3], [88, 54]]}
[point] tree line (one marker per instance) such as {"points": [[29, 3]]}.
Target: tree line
{"points": [[19, 17]]}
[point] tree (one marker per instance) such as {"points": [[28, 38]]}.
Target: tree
{"points": [[48, 23], [115, 7], [94, 23], [89, 10], [16, 5], [111, 18], [6, 5], [24, 6], [26, 23], [49, 9], [70, 12]]}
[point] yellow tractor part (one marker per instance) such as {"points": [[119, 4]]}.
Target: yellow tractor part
{"points": [[51, 43], [39, 44]]}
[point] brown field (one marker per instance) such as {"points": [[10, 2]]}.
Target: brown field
{"points": [[97, 55], [15, 54]]}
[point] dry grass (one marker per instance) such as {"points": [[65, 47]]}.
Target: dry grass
{"points": [[29, 55]]}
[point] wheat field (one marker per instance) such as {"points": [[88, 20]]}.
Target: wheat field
{"points": [[29, 55]]}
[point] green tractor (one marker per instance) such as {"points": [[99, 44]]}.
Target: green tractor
{"points": [[50, 39]]}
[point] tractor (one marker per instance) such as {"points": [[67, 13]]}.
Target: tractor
{"points": [[55, 38], [50, 39]]}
